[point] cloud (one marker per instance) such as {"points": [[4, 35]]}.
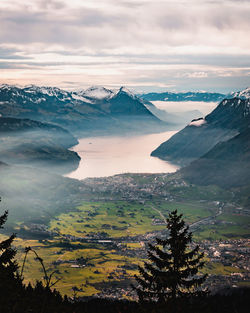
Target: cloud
{"points": [[11, 53], [126, 38], [148, 24]]}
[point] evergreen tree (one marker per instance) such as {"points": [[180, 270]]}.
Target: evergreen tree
{"points": [[10, 282], [173, 268]]}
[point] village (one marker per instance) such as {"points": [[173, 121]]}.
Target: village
{"points": [[227, 260]]}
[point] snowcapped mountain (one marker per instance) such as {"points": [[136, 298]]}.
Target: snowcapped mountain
{"points": [[244, 94], [35, 90], [91, 110], [232, 112], [33, 94], [100, 93], [228, 119], [125, 90], [95, 92], [90, 95]]}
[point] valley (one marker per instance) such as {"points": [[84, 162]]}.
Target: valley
{"points": [[95, 247], [124, 156], [92, 225]]}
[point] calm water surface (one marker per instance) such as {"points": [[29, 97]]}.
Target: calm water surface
{"points": [[106, 156]]}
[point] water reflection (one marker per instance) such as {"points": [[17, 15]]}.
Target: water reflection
{"points": [[106, 156]]}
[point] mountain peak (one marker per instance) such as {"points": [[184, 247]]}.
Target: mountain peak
{"points": [[243, 94], [126, 90], [8, 86], [97, 92], [123, 90]]}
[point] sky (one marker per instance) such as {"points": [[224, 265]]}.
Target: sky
{"points": [[171, 45]]}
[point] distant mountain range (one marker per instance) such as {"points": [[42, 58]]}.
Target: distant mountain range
{"points": [[183, 96], [217, 146], [35, 122], [95, 110], [32, 122]]}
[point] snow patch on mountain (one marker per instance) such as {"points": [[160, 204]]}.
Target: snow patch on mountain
{"points": [[92, 95], [80, 98], [8, 87], [49, 91], [198, 122], [97, 92], [30, 90], [244, 94]]}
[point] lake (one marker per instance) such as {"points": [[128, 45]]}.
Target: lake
{"points": [[106, 156]]}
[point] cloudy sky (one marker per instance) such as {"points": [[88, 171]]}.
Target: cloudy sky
{"points": [[146, 45]]}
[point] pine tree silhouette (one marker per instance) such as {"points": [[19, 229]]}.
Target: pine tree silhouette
{"points": [[10, 281], [173, 268]]}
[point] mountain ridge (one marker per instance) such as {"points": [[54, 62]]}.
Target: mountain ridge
{"points": [[33, 143], [226, 164], [228, 119], [183, 96], [79, 112]]}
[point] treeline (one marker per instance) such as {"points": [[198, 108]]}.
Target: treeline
{"points": [[38, 299]]}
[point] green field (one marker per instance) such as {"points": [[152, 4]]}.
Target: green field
{"points": [[101, 265], [86, 266], [123, 218]]}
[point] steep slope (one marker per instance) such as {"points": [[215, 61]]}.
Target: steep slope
{"points": [[126, 108], [96, 109], [132, 112], [226, 165], [229, 118], [124, 103], [32, 143], [183, 96]]}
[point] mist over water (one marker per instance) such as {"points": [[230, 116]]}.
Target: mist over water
{"points": [[106, 156], [184, 106]]}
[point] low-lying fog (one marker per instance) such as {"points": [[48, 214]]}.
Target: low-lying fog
{"points": [[185, 106]]}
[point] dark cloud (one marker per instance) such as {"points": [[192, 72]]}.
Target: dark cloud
{"points": [[12, 54], [10, 65]]}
